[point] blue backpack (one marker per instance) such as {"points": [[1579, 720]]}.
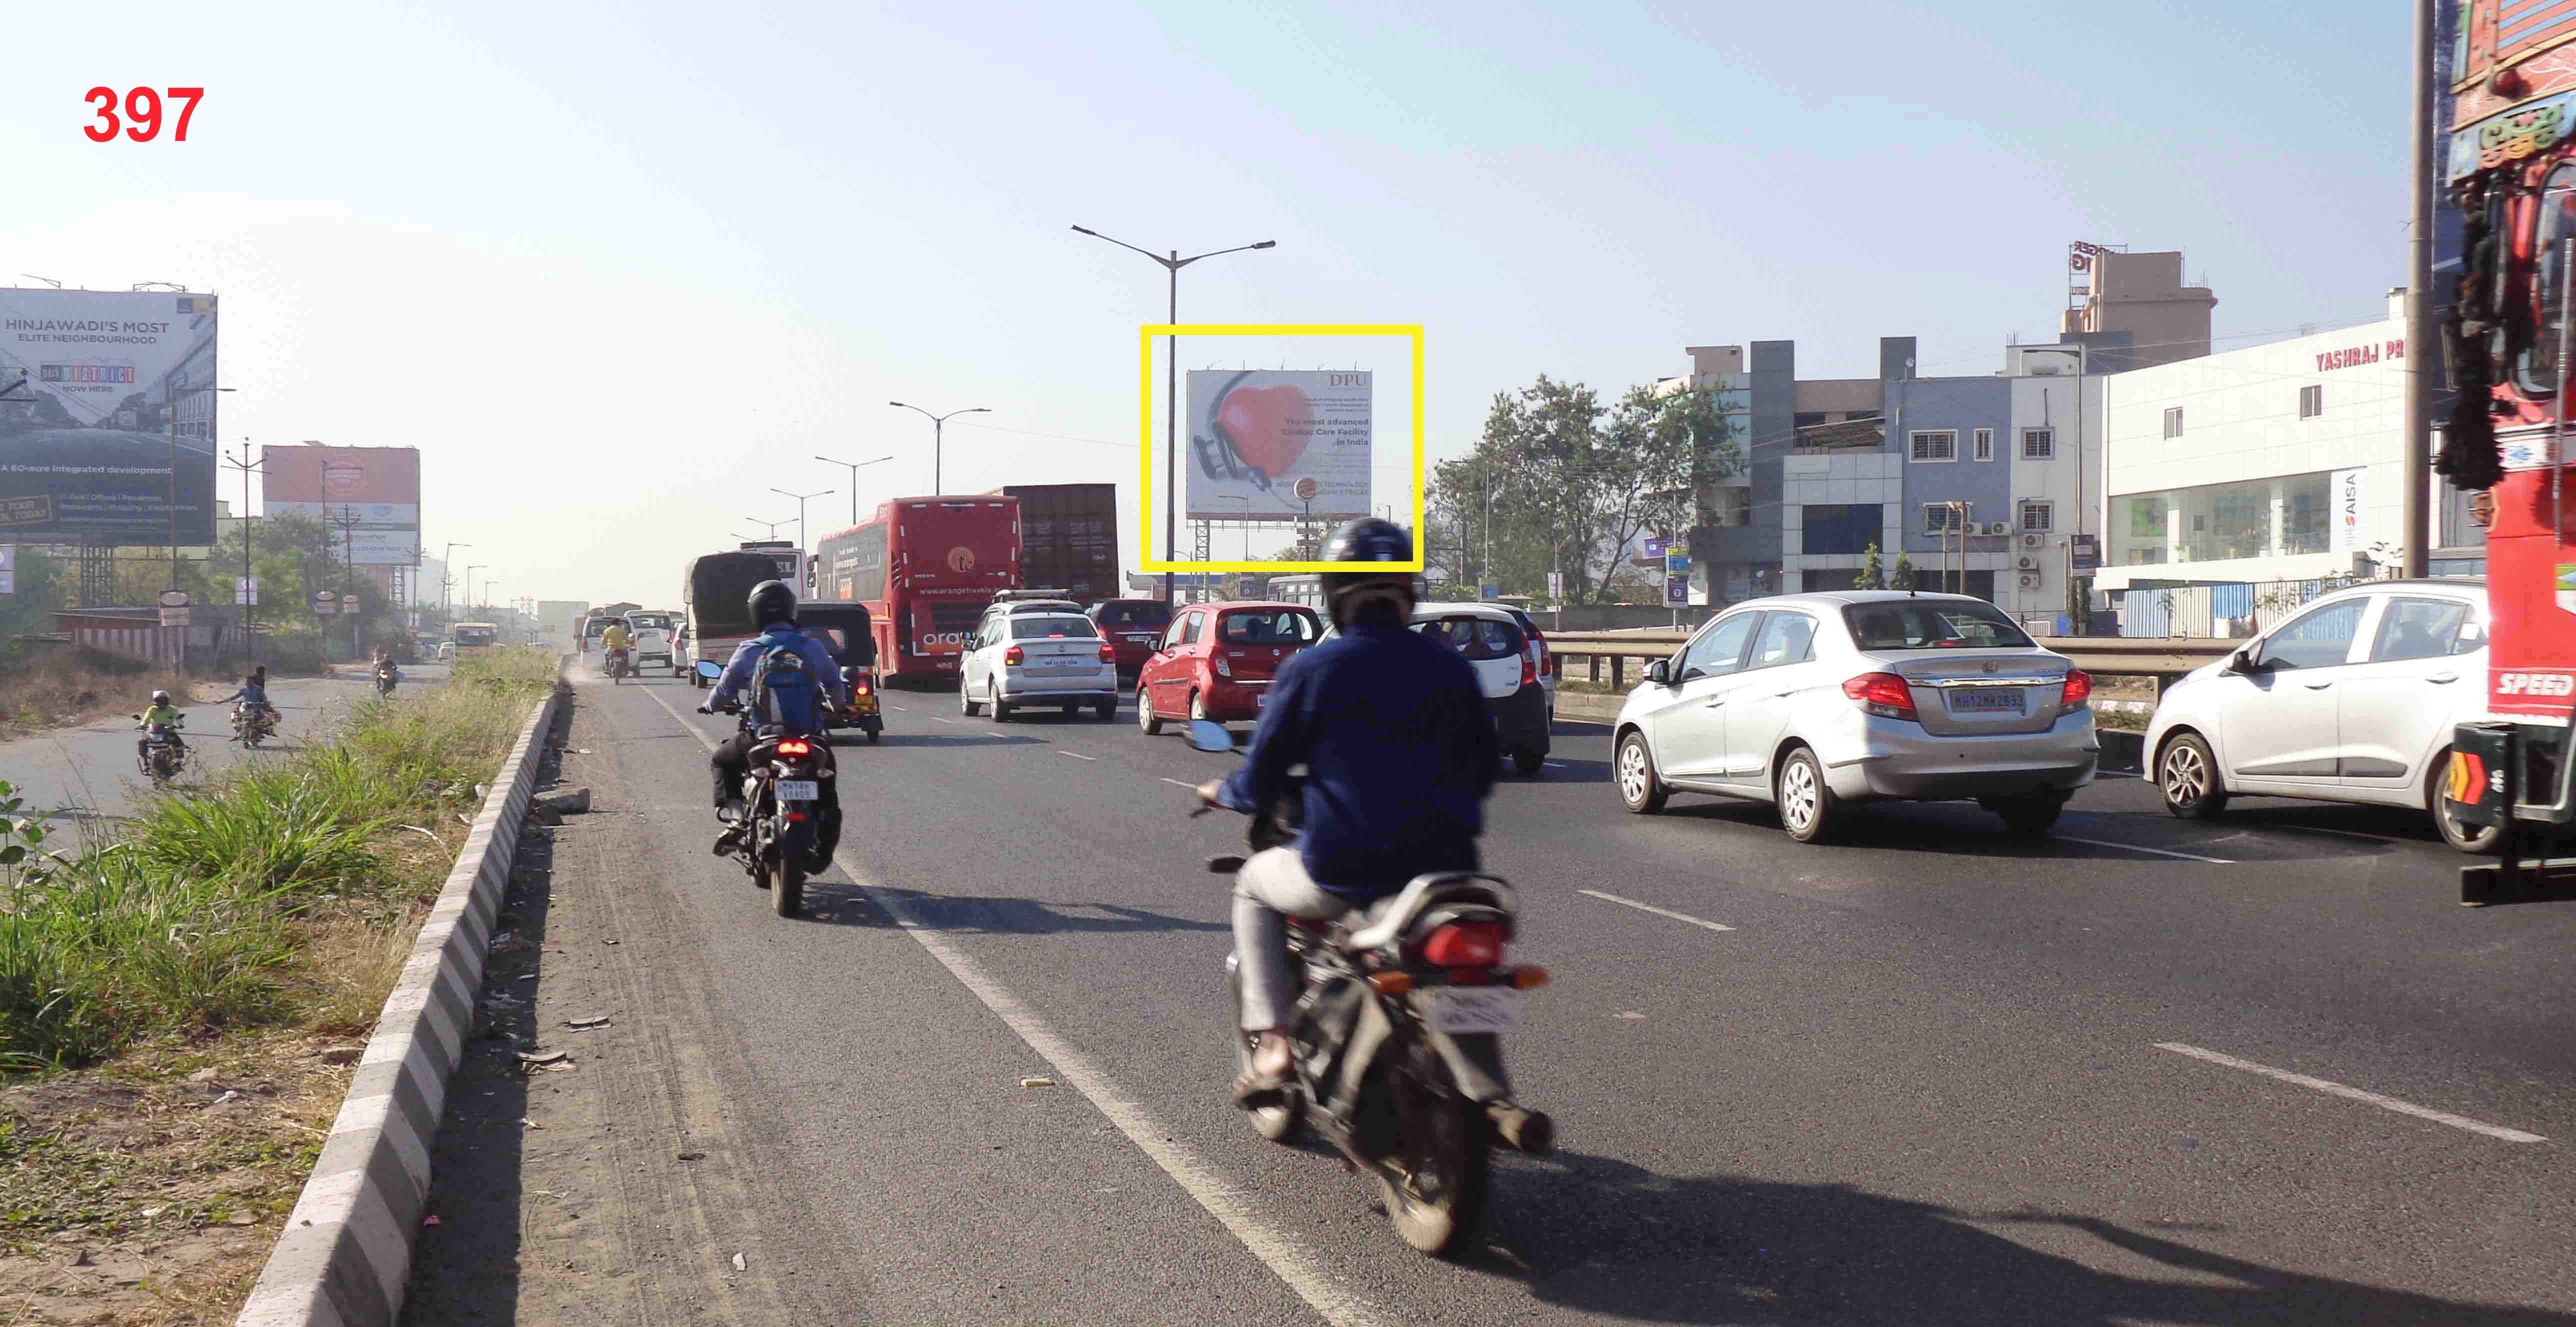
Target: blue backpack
{"points": [[784, 694]]}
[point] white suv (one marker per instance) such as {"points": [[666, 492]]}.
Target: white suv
{"points": [[1055, 657], [2351, 700], [652, 634]]}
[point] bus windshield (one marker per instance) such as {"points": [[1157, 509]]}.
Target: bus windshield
{"points": [[470, 635]]}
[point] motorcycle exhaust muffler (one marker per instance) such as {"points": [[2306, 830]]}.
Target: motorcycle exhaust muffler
{"points": [[1522, 1129]]}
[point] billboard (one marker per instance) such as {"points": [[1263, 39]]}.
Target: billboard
{"points": [[107, 416], [1277, 445], [379, 487]]}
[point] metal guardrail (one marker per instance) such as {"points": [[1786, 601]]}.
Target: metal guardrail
{"points": [[2160, 657]]}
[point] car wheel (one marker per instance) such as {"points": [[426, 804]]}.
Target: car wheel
{"points": [[1806, 802], [2187, 777], [1001, 711], [1640, 789], [966, 700], [2028, 816], [1198, 708], [1529, 763], [1145, 712], [2468, 838]]}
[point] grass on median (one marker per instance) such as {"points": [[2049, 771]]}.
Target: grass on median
{"points": [[202, 918]]}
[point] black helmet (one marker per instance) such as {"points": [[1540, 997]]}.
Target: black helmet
{"points": [[1368, 539], [771, 601]]}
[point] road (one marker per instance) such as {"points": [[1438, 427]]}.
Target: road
{"points": [[2142, 1071], [88, 771]]}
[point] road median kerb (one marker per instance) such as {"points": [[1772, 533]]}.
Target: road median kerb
{"points": [[345, 1255]]}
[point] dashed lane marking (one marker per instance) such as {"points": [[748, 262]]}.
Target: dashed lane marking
{"points": [[1660, 912], [2133, 847], [1290, 1259], [2335, 1089], [1076, 755]]}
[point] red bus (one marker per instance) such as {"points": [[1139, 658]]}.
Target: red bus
{"points": [[925, 568]]}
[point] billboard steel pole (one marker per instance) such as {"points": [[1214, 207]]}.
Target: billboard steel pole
{"points": [[2421, 352]]}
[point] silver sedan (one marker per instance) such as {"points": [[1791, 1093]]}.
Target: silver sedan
{"points": [[1815, 701]]}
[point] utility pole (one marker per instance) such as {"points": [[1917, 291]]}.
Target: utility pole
{"points": [[245, 596], [447, 581], [2421, 352], [347, 520]]}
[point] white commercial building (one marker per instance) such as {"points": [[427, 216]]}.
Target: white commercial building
{"points": [[2278, 462]]}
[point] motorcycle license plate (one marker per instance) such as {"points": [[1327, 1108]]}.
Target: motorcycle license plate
{"points": [[798, 790], [1463, 1009]]}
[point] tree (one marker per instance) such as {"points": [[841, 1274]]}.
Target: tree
{"points": [[1871, 576], [1902, 577]]}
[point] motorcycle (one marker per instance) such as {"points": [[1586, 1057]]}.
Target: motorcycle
{"points": [[159, 756], [861, 712], [781, 783], [386, 676], [1397, 1033], [620, 663], [253, 725]]}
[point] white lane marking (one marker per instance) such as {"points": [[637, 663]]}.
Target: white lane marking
{"points": [[1556, 764], [905, 708], [936, 719], [1076, 755], [2160, 852], [1284, 1255], [1660, 912], [2355, 1094], [1178, 784]]}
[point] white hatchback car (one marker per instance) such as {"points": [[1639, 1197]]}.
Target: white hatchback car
{"points": [[1815, 701], [1038, 658], [2352, 700]]}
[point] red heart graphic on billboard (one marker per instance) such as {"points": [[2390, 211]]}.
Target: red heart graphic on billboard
{"points": [[1259, 420]]}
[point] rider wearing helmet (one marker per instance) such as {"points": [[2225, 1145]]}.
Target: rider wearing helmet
{"points": [[1400, 754], [162, 714], [773, 606]]}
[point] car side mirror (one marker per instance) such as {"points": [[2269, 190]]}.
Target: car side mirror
{"points": [[1209, 735], [1660, 672], [2244, 662]]}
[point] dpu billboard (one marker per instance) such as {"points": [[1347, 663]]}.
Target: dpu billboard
{"points": [[1278, 445], [107, 416], [377, 486]]}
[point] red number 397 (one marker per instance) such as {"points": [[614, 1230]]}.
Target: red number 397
{"points": [[142, 121]]}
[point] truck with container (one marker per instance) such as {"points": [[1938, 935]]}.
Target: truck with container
{"points": [[1068, 538], [715, 597]]}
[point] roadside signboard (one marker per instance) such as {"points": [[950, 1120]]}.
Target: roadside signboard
{"points": [[246, 590], [1677, 589], [8, 568], [1277, 445], [325, 604], [174, 598], [376, 488], [118, 390], [2088, 553], [348, 603], [1556, 585], [174, 617]]}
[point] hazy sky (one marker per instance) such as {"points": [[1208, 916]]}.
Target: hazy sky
{"points": [[618, 270]]}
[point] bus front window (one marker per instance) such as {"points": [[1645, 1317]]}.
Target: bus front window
{"points": [[2538, 372]]}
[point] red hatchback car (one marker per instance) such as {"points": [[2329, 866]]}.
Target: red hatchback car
{"points": [[1217, 660]]}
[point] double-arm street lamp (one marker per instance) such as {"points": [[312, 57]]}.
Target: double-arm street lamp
{"points": [[853, 467], [937, 429], [1172, 263], [800, 511]]}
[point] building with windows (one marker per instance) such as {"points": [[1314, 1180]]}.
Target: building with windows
{"points": [[2274, 463]]}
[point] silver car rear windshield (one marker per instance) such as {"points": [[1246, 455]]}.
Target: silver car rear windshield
{"points": [[1932, 624], [1042, 628]]}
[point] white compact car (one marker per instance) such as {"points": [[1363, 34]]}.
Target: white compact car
{"points": [[2351, 700], [1816, 701], [1038, 658], [652, 636]]}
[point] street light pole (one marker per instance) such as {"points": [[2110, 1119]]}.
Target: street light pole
{"points": [[447, 580], [469, 584], [800, 511], [1172, 263], [854, 477], [244, 596], [770, 526], [938, 430]]}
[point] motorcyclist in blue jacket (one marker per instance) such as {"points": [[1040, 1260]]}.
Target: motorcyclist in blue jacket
{"points": [[1400, 755], [773, 606]]}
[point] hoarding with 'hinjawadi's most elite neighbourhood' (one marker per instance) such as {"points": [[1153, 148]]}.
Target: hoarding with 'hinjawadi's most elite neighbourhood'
{"points": [[107, 416], [370, 496]]}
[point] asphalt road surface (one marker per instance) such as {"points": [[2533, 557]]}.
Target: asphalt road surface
{"points": [[2142, 1071], [89, 771]]}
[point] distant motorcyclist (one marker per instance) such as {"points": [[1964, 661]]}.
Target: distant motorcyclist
{"points": [[773, 606], [162, 714], [613, 642], [253, 694], [1400, 754]]}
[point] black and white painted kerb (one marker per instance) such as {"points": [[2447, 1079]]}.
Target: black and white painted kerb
{"points": [[345, 1255]]}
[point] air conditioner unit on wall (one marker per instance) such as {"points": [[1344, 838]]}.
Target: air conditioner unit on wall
{"points": [[2031, 541], [2030, 582], [2029, 564]]}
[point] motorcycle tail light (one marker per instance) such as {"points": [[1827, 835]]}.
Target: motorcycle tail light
{"points": [[795, 817], [2079, 689], [1464, 945], [795, 746], [1883, 694], [1014, 656]]}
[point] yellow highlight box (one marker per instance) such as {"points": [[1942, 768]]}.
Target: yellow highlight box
{"points": [[1145, 431]]}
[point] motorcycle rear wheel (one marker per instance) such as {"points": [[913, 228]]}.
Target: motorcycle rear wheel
{"points": [[1439, 1202], [1280, 1123], [787, 888]]}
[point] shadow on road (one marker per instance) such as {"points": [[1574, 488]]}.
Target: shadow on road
{"points": [[1011, 916], [1604, 1237], [941, 739]]}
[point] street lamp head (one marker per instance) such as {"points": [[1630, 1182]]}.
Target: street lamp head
{"points": [[977, 410], [1267, 244], [1085, 230], [900, 405]]}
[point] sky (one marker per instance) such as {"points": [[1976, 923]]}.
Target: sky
{"points": [[621, 270]]}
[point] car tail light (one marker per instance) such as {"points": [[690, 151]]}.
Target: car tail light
{"points": [[2079, 689], [1883, 694], [1222, 668], [1014, 656], [1464, 945], [795, 746], [1108, 652], [1529, 667]]}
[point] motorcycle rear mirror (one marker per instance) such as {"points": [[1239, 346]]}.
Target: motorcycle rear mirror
{"points": [[1209, 735], [709, 669]]}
